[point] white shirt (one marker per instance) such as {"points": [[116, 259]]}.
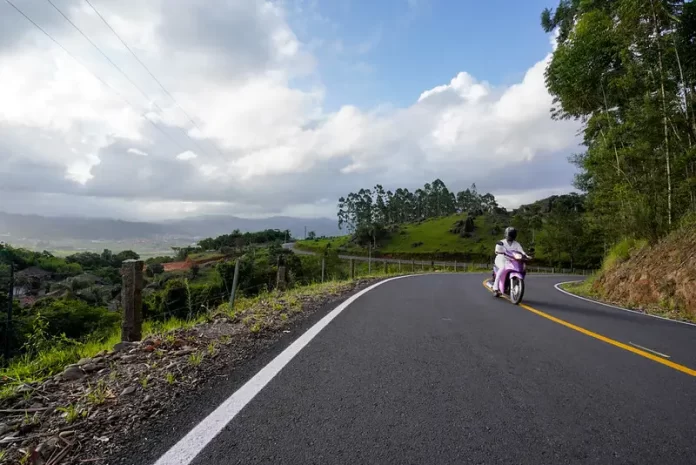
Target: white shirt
{"points": [[504, 246]]}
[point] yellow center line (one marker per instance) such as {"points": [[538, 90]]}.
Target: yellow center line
{"points": [[608, 340]]}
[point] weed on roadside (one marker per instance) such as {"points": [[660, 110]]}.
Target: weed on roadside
{"points": [[195, 358], [72, 413]]}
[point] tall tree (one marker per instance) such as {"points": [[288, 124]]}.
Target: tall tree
{"points": [[625, 69]]}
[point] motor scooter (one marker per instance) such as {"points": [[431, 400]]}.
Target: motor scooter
{"points": [[511, 282]]}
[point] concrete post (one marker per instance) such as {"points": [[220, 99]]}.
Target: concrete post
{"points": [[386, 267], [352, 269], [323, 268], [281, 283], [132, 300]]}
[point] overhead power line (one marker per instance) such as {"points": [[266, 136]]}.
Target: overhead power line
{"points": [[144, 94], [77, 60], [164, 89]]}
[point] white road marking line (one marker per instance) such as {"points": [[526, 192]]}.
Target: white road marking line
{"points": [[558, 288], [184, 451], [650, 350]]}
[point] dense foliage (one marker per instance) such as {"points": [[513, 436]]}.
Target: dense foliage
{"points": [[627, 70], [237, 239]]}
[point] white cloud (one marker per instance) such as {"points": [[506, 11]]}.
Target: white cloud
{"points": [[258, 139], [135, 151], [187, 155]]}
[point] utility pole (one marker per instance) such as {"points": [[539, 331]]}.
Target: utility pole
{"points": [[235, 280], [305, 233]]}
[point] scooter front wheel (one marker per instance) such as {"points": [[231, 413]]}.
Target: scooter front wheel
{"points": [[516, 290]]}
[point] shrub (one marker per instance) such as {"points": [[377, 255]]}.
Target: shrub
{"points": [[154, 269], [622, 251], [74, 318]]}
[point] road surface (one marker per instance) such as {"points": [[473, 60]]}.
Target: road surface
{"points": [[432, 369]]}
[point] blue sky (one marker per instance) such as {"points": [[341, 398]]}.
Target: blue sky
{"points": [[389, 51]]}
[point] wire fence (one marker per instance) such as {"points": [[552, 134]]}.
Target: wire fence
{"points": [[401, 265]]}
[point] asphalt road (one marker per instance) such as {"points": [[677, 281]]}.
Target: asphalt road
{"points": [[433, 370]]}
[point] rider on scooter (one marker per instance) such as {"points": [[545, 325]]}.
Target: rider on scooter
{"points": [[509, 244]]}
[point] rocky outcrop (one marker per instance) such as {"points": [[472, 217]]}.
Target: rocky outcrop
{"points": [[660, 277]]}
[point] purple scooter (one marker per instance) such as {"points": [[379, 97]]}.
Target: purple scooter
{"points": [[512, 279]]}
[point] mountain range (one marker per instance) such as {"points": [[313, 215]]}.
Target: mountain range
{"points": [[15, 226]]}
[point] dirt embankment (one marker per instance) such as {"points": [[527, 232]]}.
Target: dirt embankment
{"points": [[661, 277]]}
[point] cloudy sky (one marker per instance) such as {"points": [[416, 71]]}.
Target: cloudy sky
{"points": [[271, 107]]}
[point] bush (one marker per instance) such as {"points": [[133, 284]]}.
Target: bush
{"points": [[58, 265], [86, 260], [153, 260], [155, 269], [74, 318], [109, 274], [622, 251]]}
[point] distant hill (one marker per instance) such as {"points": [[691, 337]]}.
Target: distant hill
{"points": [[48, 228], [13, 226]]}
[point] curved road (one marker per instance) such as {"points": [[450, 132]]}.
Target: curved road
{"points": [[432, 369]]}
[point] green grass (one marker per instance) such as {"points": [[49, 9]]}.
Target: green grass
{"points": [[72, 413], [622, 251], [50, 362], [583, 288], [430, 238], [433, 237]]}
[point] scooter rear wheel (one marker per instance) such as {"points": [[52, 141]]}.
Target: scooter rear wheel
{"points": [[516, 290]]}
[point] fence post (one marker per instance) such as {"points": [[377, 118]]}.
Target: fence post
{"points": [[352, 269], [281, 284], [323, 268], [132, 299], [369, 259], [432, 265], [399, 266], [413, 265], [386, 267], [10, 299], [455, 266], [235, 280]]}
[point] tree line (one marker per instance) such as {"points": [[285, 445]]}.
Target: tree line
{"points": [[369, 213], [237, 239], [627, 70]]}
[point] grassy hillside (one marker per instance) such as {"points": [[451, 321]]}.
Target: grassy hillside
{"points": [[428, 239]]}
